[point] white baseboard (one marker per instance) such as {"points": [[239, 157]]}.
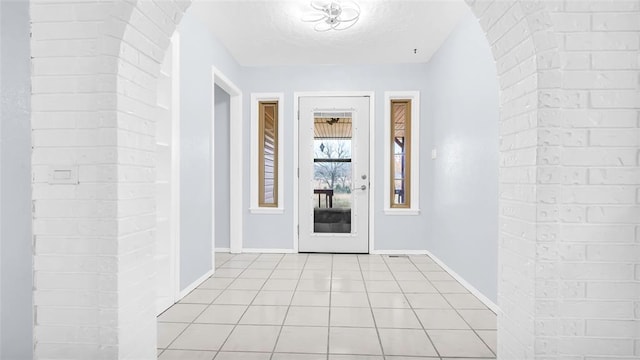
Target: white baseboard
{"points": [[490, 304], [222, 250], [194, 285], [268, 251], [163, 304], [399, 252]]}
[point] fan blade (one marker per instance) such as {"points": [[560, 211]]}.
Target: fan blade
{"points": [[314, 17], [350, 5], [344, 25], [320, 5], [349, 14], [322, 27]]}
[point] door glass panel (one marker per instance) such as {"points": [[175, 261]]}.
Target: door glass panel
{"points": [[332, 173]]}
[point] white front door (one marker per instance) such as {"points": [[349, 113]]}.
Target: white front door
{"points": [[334, 174]]}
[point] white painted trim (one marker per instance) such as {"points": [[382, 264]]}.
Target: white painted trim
{"points": [[400, 252], [401, 212], [415, 151], [175, 162], [194, 285], [235, 158], [254, 207], [485, 300], [269, 251], [221, 250], [267, 211], [165, 305], [235, 207], [296, 171], [296, 100], [212, 151], [372, 168]]}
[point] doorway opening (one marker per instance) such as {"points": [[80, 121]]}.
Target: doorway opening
{"points": [[235, 160], [222, 169]]}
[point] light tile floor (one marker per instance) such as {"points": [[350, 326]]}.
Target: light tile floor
{"points": [[327, 307]]}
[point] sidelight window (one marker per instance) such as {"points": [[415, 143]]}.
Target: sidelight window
{"points": [[402, 173], [268, 157], [266, 162]]}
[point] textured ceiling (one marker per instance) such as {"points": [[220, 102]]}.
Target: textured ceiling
{"points": [[263, 32]]}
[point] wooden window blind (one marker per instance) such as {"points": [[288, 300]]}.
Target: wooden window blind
{"points": [[268, 156], [400, 161]]}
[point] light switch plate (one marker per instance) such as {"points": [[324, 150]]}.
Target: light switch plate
{"points": [[434, 154], [63, 175]]}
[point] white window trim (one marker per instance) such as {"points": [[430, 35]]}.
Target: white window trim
{"points": [[255, 208], [414, 96]]}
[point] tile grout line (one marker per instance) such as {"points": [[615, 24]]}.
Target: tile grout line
{"points": [[373, 317], [411, 305], [252, 300], [205, 308], [284, 319], [386, 264], [337, 326], [463, 318], [227, 288], [329, 319], [454, 309]]}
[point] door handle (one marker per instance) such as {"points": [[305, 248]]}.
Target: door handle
{"points": [[363, 187]]}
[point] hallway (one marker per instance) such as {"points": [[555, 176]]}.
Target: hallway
{"points": [[322, 306]]}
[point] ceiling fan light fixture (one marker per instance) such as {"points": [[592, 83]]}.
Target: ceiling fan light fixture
{"points": [[333, 15]]}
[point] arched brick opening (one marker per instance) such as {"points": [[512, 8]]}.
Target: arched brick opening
{"points": [[131, 40], [140, 32], [524, 47]]}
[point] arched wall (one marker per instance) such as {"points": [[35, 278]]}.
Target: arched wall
{"points": [[516, 32], [554, 161]]}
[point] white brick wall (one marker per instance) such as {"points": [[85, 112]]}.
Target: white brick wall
{"points": [[569, 180], [93, 104], [598, 252], [74, 226], [145, 41], [584, 191]]}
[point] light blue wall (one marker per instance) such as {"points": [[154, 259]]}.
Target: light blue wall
{"points": [[2, 290], [16, 298], [199, 51], [276, 231], [463, 190], [459, 117], [222, 114]]}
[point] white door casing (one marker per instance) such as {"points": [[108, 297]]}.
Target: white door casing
{"points": [[354, 236], [235, 162]]}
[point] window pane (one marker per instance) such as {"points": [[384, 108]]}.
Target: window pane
{"points": [[332, 173], [268, 162], [400, 153]]}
